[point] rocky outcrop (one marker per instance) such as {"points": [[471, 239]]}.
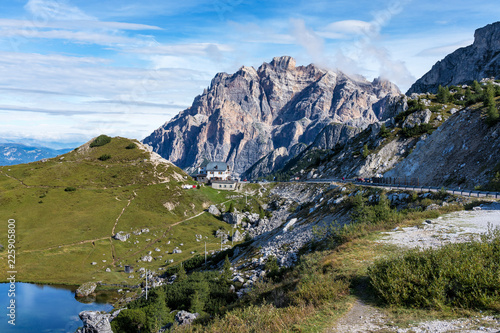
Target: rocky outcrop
{"points": [[94, 322], [245, 116], [86, 289], [185, 318], [417, 118], [463, 151], [474, 62], [121, 236]]}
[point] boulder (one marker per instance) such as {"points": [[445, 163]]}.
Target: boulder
{"points": [[121, 236], [417, 118], [232, 218], [95, 322], [86, 289], [222, 234], [213, 210], [237, 236], [147, 258], [185, 318]]}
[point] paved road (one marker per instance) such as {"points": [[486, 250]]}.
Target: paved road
{"points": [[462, 192]]}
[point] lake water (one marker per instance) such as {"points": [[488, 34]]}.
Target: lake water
{"points": [[44, 309]]}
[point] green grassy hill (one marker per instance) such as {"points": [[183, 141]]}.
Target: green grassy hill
{"points": [[68, 208]]}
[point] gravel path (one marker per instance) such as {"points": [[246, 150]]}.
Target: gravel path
{"points": [[450, 228]]}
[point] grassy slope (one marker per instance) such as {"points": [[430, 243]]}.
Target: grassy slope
{"points": [[59, 233]]}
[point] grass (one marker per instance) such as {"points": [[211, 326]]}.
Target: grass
{"points": [[59, 232]]}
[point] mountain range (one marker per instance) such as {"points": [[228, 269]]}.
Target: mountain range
{"points": [[264, 121], [16, 153]]}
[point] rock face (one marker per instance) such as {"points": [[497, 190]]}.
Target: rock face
{"points": [[474, 62], [245, 116], [463, 151], [94, 322]]}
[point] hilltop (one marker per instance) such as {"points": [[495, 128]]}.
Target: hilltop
{"points": [[67, 210]]}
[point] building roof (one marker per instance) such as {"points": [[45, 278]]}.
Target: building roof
{"points": [[217, 166]]}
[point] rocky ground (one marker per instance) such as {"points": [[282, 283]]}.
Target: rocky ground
{"points": [[450, 228]]}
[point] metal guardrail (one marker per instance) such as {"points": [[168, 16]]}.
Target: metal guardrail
{"points": [[417, 188]]}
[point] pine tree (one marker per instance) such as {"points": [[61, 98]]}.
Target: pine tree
{"points": [[492, 115], [476, 87], [181, 273], [365, 151], [489, 96], [443, 95], [226, 270]]}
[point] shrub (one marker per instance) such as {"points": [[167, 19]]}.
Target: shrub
{"points": [[492, 115], [104, 157], [131, 146], [384, 132], [365, 151], [443, 95], [417, 130], [70, 189], [462, 275], [129, 321], [101, 140]]}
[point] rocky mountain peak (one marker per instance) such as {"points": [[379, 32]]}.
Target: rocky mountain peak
{"points": [[474, 62], [244, 116], [284, 63]]}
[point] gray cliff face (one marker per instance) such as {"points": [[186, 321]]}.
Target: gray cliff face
{"points": [[245, 116], [461, 152], [474, 62]]}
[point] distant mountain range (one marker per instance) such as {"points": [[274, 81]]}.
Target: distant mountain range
{"points": [[276, 109], [16, 153]]}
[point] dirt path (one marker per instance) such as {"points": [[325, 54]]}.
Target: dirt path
{"points": [[450, 228]]}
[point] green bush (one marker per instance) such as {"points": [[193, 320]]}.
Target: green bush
{"points": [[131, 146], [70, 189], [417, 130], [492, 115], [129, 321], [461, 275], [384, 132], [101, 140], [104, 157], [365, 152]]}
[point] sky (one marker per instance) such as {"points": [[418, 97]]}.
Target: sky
{"points": [[74, 69]]}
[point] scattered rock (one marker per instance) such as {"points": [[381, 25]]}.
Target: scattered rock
{"points": [[94, 322], [121, 236], [185, 318]]}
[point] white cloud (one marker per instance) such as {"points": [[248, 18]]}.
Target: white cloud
{"points": [[76, 24], [345, 29], [309, 40], [56, 10]]}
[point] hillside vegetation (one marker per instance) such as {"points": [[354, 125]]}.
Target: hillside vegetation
{"points": [[68, 208]]}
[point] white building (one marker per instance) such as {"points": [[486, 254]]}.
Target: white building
{"points": [[214, 171]]}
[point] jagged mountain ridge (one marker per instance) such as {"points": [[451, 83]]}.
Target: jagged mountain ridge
{"points": [[474, 62], [243, 117], [14, 153]]}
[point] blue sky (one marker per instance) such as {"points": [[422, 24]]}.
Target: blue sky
{"points": [[71, 70]]}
